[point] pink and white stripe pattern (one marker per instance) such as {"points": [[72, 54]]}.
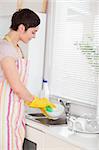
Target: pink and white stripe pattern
{"points": [[12, 121]]}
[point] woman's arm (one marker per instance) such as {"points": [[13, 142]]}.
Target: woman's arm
{"points": [[10, 71]]}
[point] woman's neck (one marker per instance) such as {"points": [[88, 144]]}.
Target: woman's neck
{"points": [[13, 37]]}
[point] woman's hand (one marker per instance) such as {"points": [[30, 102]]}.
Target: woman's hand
{"points": [[40, 103]]}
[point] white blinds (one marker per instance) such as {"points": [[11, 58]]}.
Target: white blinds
{"points": [[71, 75], [96, 26]]}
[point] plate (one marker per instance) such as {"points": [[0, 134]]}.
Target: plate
{"points": [[56, 113]]}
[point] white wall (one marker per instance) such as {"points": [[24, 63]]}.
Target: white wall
{"points": [[36, 58]]}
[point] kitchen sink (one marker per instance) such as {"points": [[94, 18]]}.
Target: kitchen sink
{"points": [[37, 115], [47, 121]]}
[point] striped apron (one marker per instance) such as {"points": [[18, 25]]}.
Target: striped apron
{"points": [[12, 119]]}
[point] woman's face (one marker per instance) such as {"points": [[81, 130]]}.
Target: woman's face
{"points": [[27, 35]]}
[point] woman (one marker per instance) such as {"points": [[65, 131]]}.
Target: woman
{"points": [[13, 68]]}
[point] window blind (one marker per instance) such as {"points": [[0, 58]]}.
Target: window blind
{"points": [[96, 25], [71, 75]]}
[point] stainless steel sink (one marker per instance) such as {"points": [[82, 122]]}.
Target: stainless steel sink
{"points": [[47, 121], [39, 117]]}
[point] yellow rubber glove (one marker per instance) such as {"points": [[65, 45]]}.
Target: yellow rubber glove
{"points": [[40, 103], [45, 113]]}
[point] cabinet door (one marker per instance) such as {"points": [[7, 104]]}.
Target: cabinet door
{"points": [[36, 136], [7, 7], [53, 143]]}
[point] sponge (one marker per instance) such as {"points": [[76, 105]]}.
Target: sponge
{"points": [[49, 109]]}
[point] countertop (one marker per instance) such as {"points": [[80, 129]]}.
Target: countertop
{"points": [[84, 141]]}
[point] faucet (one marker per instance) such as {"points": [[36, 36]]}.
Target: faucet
{"points": [[67, 107]]}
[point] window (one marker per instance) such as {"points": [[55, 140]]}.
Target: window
{"points": [[72, 76]]}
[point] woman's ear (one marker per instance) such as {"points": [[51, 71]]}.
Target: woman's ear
{"points": [[21, 28]]}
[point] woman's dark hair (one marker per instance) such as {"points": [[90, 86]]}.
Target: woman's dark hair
{"points": [[26, 17]]}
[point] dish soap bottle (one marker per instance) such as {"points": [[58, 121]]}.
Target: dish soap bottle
{"points": [[45, 94], [45, 90]]}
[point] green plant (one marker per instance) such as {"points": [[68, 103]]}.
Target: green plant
{"points": [[91, 51]]}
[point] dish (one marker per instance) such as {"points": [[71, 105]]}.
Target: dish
{"points": [[83, 125], [56, 112]]}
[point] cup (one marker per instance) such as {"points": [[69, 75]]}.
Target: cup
{"points": [[77, 124], [80, 124], [93, 126]]}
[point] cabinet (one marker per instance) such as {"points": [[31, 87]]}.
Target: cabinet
{"points": [[36, 136], [45, 141], [8, 7], [53, 143]]}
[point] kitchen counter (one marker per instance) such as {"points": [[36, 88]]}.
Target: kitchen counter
{"points": [[61, 132]]}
